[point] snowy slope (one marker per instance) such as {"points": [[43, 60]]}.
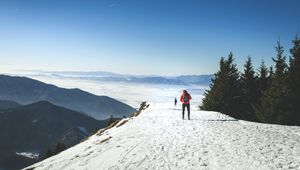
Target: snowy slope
{"points": [[159, 139]]}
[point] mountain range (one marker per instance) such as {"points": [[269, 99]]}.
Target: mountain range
{"points": [[24, 90], [35, 128], [114, 77]]}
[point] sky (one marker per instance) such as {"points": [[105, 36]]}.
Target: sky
{"points": [[142, 37]]}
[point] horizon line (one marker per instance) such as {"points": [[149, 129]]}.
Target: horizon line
{"points": [[36, 71]]}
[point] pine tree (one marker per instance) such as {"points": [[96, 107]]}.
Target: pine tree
{"points": [[273, 106], [249, 90], [294, 84], [49, 153], [273, 95], [225, 91], [271, 72], [263, 79], [59, 147], [213, 99]]}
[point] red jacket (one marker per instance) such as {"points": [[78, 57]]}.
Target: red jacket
{"points": [[185, 98]]}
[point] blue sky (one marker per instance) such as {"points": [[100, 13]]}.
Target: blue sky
{"points": [[162, 37]]}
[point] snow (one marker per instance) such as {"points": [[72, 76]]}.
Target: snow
{"points": [[28, 155], [159, 139]]}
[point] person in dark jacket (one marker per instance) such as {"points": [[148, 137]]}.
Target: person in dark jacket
{"points": [[185, 99], [175, 101]]}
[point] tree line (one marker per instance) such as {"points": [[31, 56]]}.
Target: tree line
{"points": [[268, 95]]}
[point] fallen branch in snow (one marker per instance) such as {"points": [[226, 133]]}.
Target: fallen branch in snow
{"points": [[122, 123], [143, 106], [100, 132], [104, 140], [112, 124]]}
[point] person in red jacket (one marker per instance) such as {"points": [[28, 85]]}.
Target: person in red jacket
{"points": [[185, 99]]}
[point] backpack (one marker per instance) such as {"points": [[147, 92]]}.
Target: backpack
{"points": [[186, 98]]}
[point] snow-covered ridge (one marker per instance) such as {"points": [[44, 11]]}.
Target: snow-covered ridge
{"points": [[159, 139], [28, 155]]}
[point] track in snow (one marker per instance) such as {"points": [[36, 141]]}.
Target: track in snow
{"points": [[160, 139]]}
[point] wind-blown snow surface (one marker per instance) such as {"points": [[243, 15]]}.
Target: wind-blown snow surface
{"points": [[159, 139]]}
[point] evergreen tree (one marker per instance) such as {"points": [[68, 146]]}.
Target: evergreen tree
{"points": [[59, 147], [249, 90], [294, 84], [49, 153], [263, 79], [273, 104], [271, 73], [213, 99], [225, 90], [273, 95]]}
